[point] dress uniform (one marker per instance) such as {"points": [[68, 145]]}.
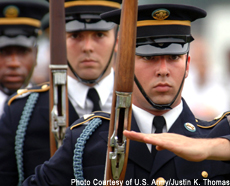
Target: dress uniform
{"points": [[25, 123], [89, 163], [19, 27], [81, 158]]}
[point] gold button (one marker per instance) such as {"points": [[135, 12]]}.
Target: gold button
{"points": [[204, 174], [44, 86], [160, 181], [21, 91]]}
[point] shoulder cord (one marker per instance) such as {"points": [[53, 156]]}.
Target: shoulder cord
{"points": [[79, 147], [21, 132]]}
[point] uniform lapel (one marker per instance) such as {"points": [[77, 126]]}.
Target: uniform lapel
{"points": [[73, 115], [138, 152], [44, 110], [162, 157]]}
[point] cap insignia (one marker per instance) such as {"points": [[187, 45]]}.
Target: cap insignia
{"points": [[190, 127], [11, 11], [87, 20], [160, 14]]}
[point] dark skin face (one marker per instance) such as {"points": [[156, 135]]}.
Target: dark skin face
{"points": [[16, 66]]}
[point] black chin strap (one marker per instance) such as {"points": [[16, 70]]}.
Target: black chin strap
{"points": [[163, 106], [94, 81]]}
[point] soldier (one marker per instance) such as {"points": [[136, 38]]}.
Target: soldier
{"points": [[161, 65], [18, 45], [91, 43]]}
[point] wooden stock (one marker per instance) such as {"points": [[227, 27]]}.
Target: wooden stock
{"points": [[57, 56], [124, 73], [57, 32]]}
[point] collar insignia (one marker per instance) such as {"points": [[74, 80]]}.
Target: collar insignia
{"points": [[190, 127]]}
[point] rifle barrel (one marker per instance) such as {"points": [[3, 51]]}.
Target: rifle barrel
{"points": [[58, 75], [118, 147]]}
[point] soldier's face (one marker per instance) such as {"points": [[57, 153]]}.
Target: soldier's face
{"points": [[160, 77], [16, 66], [88, 52]]}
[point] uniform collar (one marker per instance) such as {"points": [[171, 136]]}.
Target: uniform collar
{"points": [[144, 119], [78, 91], [172, 115], [105, 86], [3, 99]]}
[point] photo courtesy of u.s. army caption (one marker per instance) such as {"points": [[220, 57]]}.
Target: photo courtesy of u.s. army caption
{"points": [[19, 28], [91, 44], [162, 63]]}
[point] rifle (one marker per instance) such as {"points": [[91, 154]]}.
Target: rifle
{"points": [[118, 146], [58, 75]]}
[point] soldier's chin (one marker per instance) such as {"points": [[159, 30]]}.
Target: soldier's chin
{"points": [[90, 76], [160, 103], [12, 86], [164, 101]]}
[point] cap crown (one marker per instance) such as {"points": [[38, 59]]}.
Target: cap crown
{"points": [[20, 21], [82, 15], [91, 6], [161, 19], [22, 15], [162, 29]]}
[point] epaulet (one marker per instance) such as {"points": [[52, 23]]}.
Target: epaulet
{"points": [[88, 117], [214, 122], [24, 92]]}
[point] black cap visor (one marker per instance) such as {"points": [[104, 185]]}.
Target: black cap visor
{"points": [[74, 26], [162, 46], [20, 40]]}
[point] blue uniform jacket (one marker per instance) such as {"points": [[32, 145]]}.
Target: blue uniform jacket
{"points": [[36, 147], [141, 169]]}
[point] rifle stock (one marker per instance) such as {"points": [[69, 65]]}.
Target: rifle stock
{"points": [[58, 75], [118, 147]]}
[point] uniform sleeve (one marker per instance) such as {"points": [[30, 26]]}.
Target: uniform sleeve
{"points": [[221, 130], [8, 168], [226, 137], [58, 170]]}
